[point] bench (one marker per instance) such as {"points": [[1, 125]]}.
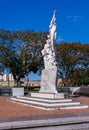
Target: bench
{"points": [[64, 90], [5, 91]]}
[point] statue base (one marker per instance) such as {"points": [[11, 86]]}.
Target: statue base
{"points": [[49, 81], [48, 95]]}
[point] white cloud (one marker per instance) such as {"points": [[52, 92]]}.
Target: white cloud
{"points": [[59, 38], [74, 17]]}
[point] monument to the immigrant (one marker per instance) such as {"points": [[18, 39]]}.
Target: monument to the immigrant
{"points": [[48, 97], [49, 74]]}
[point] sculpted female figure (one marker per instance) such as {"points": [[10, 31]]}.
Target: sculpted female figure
{"points": [[49, 74], [49, 52]]}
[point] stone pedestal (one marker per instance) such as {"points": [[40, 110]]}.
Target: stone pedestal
{"points": [[49, 81], [17, 91], [48, 95]]}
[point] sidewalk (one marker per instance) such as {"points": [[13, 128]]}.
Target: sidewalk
{"points": [[21, 123]]}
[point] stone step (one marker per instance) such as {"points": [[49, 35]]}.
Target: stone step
{"points": [[81, 106], [45, 100], [44, 105]]}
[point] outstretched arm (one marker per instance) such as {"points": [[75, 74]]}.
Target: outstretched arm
{"points": [[53, 19]]}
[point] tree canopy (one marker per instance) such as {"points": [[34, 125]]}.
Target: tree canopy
{"points": [[73, 61], [20, 51]]}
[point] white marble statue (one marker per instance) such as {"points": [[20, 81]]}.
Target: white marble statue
{"points": [[49, 74], [49, 51]]}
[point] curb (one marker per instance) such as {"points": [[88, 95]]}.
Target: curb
{"points": [[43, 122]]}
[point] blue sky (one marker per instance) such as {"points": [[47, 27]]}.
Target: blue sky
{"points": [[72, 17]]}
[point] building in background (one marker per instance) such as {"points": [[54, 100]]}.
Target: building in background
{"points": [[32, 83], [6, 80], [6, 77]]}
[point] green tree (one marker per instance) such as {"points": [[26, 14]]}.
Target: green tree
{"points": [[72, 56], [22, 54]]}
